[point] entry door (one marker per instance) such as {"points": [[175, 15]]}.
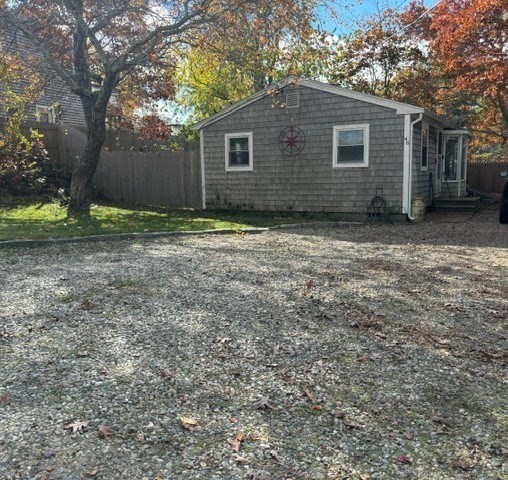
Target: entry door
{"points": [[439, 163]]}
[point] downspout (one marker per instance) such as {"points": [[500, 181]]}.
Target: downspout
{"points": [[410, 183], [202, 159]]}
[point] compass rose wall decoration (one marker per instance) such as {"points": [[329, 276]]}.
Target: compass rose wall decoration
{"points": [[291, 141]]}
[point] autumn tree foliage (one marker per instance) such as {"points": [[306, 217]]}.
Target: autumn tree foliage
{"points": [[97, 46], [470, 37], [265, 41], [468, 55], [378, 59]]}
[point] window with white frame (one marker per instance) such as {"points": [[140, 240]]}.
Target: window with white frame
{"points": [[45, 114], [425, 147], [351, 146], [238, 151]]}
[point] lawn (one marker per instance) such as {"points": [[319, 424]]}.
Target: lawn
{"points": [[39, 219]]}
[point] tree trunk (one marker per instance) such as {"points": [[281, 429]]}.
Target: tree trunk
{"points": [[82, 176]]}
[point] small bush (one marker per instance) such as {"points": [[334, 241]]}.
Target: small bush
{"points": [[24, 164]]}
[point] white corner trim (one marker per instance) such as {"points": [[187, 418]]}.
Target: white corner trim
{"points": [[242, 168], [202, 159], [406, 176], [366, 144]]}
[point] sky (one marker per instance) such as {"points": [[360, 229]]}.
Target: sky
{"points": [[349, 16]]}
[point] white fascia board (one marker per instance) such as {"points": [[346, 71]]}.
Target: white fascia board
{"points": [[399, 107], [458, 132]]}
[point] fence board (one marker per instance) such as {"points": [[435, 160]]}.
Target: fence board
{"points": [[165, 179], [484, 176]]}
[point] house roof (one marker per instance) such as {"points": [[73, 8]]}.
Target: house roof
{"points": [[399, 107]]}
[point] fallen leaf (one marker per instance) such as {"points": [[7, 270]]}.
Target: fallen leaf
{"points": [[188, 423], [264, 403], [5, 399], [310, 283], [403, 459], [275, 456], [310, 396], [77, 426], [339, 413], [241, 459], [462, 465], [442, 420], [104, 432], [236, 442], [352, 425]]}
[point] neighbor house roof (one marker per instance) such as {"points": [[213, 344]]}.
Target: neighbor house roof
{"points": [[399, 107]]}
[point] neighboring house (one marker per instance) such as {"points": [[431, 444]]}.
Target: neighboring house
{"points": [[304, 145], [57, 104]]}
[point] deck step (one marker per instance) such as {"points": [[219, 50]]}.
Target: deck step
{"points": [[457, 204]]}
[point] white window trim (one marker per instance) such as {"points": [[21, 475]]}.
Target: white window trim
{"points": [[366, 143], [44, 109], [247, 168], [424, 168]]}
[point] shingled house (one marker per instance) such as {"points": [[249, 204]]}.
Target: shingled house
{"points": [[304, 145], [57, 104]]}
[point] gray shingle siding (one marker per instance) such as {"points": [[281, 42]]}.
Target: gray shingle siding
{"points": [[307, 182], [55, 90]]}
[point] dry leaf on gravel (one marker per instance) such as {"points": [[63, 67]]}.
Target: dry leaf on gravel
{"points": [[77, 426], [188, 423], [442, 421], [462, 465], [5, 399], [236, 442], [310, 395], [240, 459], [104, 432], [264, 403], [403, 459]]}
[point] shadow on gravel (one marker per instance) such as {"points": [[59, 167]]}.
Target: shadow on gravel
{"points": [[372, 358]]}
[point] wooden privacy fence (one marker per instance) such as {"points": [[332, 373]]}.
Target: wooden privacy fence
{"points": [[162, 179], [153, 178], [484, 176], [157, 178]]}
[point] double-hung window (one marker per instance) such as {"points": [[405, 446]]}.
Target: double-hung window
{"points": [[238, 151], [351, 146]]}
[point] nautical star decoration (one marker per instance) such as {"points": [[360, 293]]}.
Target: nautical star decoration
{"points": [[291, 141]]}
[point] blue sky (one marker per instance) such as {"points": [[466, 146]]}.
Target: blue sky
{"points": [[350, 15]]}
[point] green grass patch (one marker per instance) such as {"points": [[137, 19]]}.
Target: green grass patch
{"points": [[39, 219]]}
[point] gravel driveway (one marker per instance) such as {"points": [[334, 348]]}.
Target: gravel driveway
{"points": [[375, 352]]}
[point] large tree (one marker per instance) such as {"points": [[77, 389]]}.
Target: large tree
{"points": [[468, 48], [95, 46], [254, 48]]}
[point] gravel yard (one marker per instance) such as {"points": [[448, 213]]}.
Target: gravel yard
{"points": [[372, 352]]}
